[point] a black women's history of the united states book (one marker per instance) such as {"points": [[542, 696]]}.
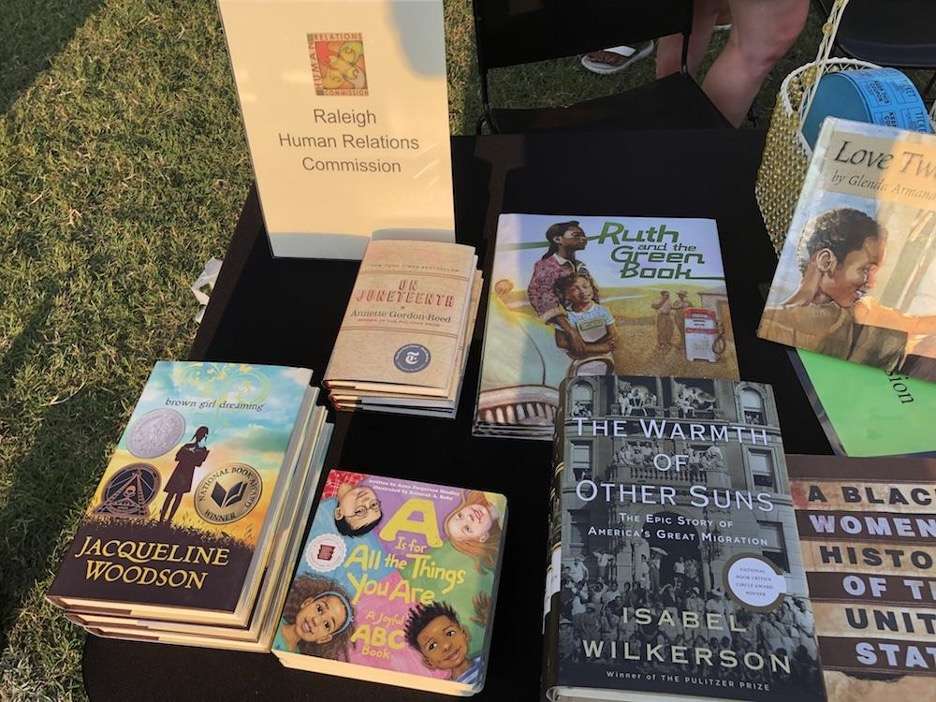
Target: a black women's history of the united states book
{"points": [[675, 570]]}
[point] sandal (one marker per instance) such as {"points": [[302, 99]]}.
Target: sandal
{"points": [[615, 59]]}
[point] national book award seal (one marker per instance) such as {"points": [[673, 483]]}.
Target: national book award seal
{"points": [[228, 494]]}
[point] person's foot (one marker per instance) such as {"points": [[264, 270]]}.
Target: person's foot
{"points": [[615, 59]]}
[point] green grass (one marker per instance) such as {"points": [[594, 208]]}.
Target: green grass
{"points": [[123, 168]]}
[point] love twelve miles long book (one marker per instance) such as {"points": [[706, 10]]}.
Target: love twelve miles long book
{"points": [[857, 274], [674, 566], [574, 295], [396, 583], [182, 522]]}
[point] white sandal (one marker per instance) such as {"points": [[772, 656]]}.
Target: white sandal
{"points": [[629, 53]]}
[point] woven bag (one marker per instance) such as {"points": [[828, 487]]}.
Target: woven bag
{"points": [[786, 153]]}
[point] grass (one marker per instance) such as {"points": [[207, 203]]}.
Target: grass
{"points": [[123, 168]]}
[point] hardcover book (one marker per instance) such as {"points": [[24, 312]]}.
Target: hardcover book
{"points": [[182, 521], [404, 338], [345, 108], [857, 274], [865, 411], [396, 583], [258, 634], [867, 529], [596, 295], [674, 565]]}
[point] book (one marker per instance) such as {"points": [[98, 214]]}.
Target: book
{"points": [[674, 569], [642, 294], [403, 342], [345, 110], [396, 584], [258, 634], [857, 273], [182, 522], [866, 529], [865, 411]]}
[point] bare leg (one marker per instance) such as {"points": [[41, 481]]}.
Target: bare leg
{"points": [[669, 48], [762, 31]]}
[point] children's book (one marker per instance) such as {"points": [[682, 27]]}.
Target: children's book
{"points": [[857, 274], [396, 583], [181, 524], [574, 295], [674, 566], [867, 533]]}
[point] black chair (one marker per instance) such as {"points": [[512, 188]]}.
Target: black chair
{"points": [[896, 33], [512, 32]]}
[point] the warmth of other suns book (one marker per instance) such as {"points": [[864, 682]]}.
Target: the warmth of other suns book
{"points": [[396, 583], [182, 522], [674, 570]]}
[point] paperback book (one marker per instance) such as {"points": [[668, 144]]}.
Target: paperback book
{"points": [[182, 522], [396, 583], [597, 295], [674, 565], [867, 529], [857, 274]]}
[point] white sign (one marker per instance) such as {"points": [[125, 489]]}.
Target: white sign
{"points": [[346, 112]]}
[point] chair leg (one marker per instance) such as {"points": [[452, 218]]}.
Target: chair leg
{"points": [[929, 87]]}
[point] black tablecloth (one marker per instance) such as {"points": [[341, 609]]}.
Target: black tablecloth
{"points": [[285, 311]]}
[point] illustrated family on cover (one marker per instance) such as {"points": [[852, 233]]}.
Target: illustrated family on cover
{"points": [[564, 294], [453, 537]]}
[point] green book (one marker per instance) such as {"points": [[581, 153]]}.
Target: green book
{"points": [[866, 411]]}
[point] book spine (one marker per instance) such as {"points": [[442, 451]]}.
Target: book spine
{"points": [[551, 603]]}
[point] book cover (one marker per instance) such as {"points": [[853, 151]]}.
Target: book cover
{"points": [[867, 529], [679, 571], [865, 411], [407, 317], [182, 506], [345, 109], [397, 575], [857, 274], [589, 295]]}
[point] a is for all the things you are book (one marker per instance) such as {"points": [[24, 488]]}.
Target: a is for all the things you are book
{"points": [[396, 584]]}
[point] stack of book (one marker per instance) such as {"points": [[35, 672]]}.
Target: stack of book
{"points": [[396, 584], [188, 531], [404, 340]]}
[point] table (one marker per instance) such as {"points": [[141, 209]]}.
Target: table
{"points": [[287, 312]]}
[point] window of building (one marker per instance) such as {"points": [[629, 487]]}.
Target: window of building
{"points": [[583, 400], [579, 524], [752, 407], [775, 550], [581, 461], [762, 468]]}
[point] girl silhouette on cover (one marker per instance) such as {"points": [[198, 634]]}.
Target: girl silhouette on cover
{"points": [[317, 619], [474, 529], [188, 458]]}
